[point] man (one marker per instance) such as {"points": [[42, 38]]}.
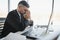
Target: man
{"points": [[17, 20]]}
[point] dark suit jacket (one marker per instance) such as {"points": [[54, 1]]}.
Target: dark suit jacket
{"points": [[13, 24]]}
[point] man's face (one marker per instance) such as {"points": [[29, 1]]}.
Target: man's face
{"points": [[22, 9]]}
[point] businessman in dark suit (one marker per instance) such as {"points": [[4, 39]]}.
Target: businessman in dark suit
{"points": [[17, 20]]}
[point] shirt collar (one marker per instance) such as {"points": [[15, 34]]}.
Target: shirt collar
{"points": [[18, 13]]}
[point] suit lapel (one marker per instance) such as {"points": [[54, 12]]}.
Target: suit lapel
{"points": [[17, 15]]}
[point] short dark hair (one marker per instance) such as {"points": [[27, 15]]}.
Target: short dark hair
{"points": [[24, 3]]}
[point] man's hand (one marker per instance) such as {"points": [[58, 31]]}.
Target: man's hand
{"points": [[27, 15]]}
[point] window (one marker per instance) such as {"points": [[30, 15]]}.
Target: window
{"points": [[40, 11], [13, 4], [3, 8]]}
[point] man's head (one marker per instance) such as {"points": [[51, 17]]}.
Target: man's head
{"points": [[22, 6]]}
